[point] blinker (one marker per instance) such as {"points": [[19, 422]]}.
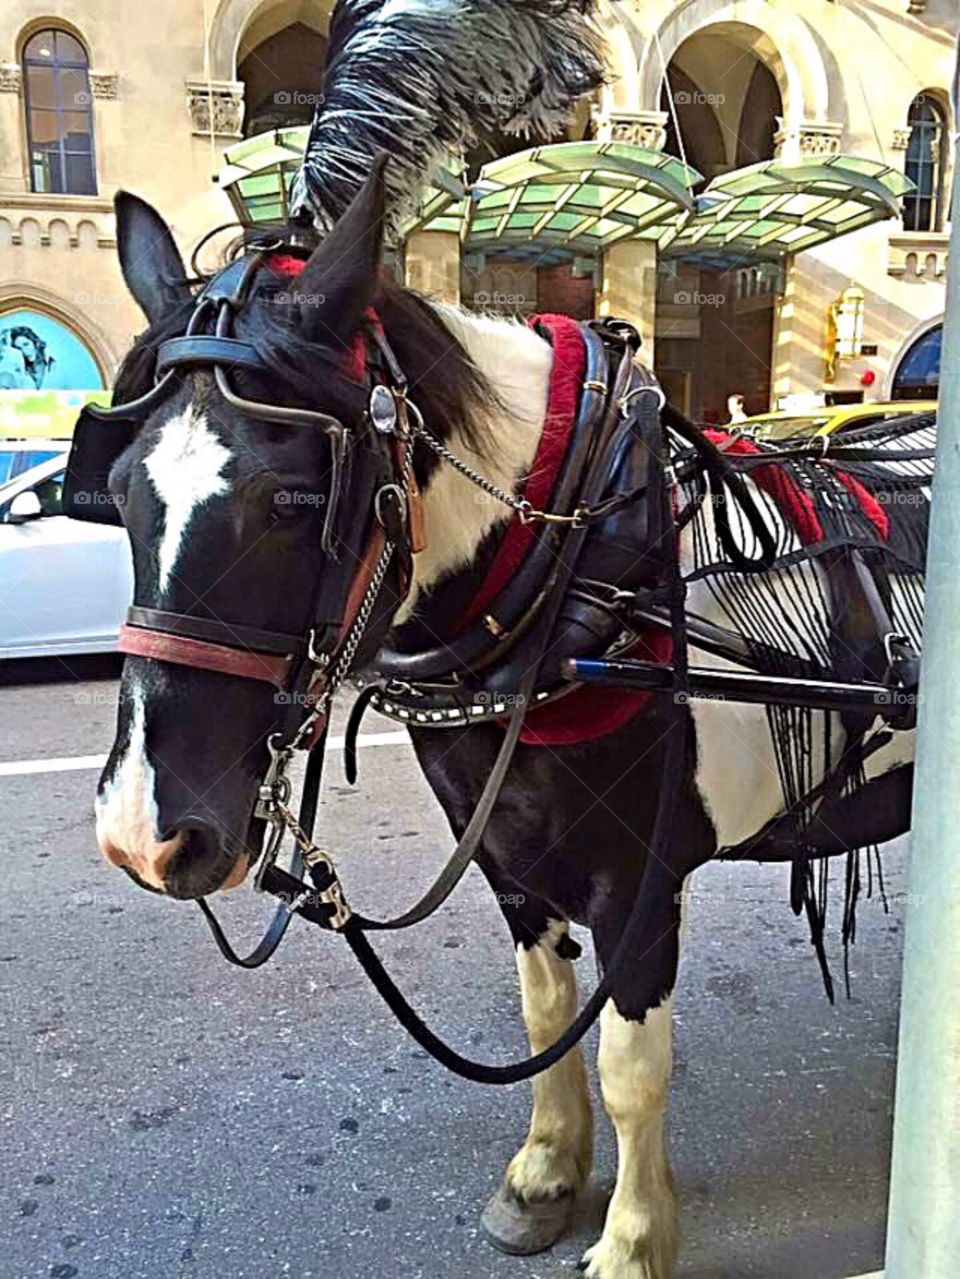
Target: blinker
{"points": [[383, 409], [98, 440]]}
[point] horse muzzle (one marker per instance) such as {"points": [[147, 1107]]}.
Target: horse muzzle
{"points": [[192, 863]]}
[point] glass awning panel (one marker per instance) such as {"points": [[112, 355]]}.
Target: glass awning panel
{"points": [[260, 171], [579, 198], [770, 210]]}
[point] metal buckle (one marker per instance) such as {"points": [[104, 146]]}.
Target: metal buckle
{"points": [[381, 495], [318, 658], [275, 789], [579, 519], [332, 896]]}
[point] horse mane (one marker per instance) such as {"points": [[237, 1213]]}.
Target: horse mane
{"points": [[450, 391]]}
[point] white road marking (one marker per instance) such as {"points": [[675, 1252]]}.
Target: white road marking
{"points": [[76, 764], [81, 763]]}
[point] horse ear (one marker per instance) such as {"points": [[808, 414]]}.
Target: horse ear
{"points": [[340, 280], [149, 258]]}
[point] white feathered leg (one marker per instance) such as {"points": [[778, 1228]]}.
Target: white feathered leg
{"points": [[640, 1236], [532, 1207]]}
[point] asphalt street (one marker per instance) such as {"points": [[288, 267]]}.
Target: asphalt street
{"points": [[163, 1115]]}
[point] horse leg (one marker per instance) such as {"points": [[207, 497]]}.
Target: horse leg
{"points": [[532, 1208], [640, 1237]]}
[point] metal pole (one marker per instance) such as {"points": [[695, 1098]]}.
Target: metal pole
{"points": [[923, 1240]]}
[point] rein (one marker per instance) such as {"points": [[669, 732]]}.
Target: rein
{"points": [[312, 667]]}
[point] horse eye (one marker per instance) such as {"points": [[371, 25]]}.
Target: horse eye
{"points": [[286, 505], [294, 504]]}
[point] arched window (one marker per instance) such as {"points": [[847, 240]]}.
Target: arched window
{"points": [[59, 104], [918, 373], [926, 161]]}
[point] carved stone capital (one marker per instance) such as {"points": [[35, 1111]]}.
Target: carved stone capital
{"points": [[216, 107], [811, 138], [901, 139], [639, 128], [11, 78], [104, 84]]}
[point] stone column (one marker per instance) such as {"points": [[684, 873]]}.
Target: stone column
{"points": [[629, 288], [12, 146], [432, 260]]}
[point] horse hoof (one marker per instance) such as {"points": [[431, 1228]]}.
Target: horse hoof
{"points": [[521, 1229]]}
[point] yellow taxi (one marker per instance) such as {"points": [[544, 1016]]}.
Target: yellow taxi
{"points": [[830, 421]]}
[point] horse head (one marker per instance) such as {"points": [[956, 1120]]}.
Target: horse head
{"points": [[249, 495]]}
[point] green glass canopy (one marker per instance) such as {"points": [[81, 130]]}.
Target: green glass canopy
{"points": [[260, 172], [578, 198], [771, 210]]}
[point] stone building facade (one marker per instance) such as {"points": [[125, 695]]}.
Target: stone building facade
{"points": [[147, 98]]}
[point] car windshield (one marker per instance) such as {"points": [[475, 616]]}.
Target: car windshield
{"points": [[782, 428], [16, 461], [28, 479]]}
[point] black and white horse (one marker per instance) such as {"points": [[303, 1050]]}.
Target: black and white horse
{"points": [[569, 838]]}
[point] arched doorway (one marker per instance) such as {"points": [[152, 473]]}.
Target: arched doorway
{"points": [[724, 100], [280, 62]]}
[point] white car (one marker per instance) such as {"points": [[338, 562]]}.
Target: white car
{"points": [[64, 585]]}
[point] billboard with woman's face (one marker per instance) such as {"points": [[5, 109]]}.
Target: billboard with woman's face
{"points": [[40, 353]]}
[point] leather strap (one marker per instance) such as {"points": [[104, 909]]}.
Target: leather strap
{"points": [[230, 634], [282, 916], [466, 850], [362, 580], [203, 348], [159, 646]]}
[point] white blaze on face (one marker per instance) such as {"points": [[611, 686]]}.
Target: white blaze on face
{"points": [[186, 469], [126, 808]]}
